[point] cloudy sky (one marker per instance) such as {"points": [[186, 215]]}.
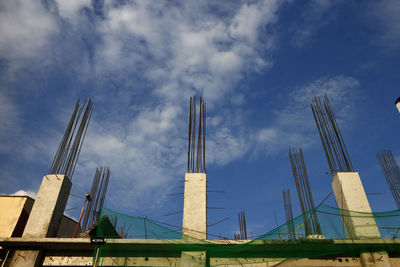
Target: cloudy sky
{"points": [[258, 64]]}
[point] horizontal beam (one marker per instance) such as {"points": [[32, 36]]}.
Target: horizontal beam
{"points": [[215, 248], [68, 261], [53, 244]]}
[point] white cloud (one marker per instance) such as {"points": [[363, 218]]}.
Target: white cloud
{"points": [[294, 124], [250, 17], [180, 54], [315, 15], [25, 28], [224, 147], [70, 9], [207, 55], [175, 49], [148, 153], [340, 90], [385, 15], [25, 193], [266, 135]]}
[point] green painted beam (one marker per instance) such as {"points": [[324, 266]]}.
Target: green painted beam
{"points": [[299, 248]]}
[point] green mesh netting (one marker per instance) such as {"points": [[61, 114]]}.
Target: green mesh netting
{"points": [[337, 238]]}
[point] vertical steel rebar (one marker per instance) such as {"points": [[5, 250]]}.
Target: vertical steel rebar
{"points": [[242, 235], [196, 146], [68, 151], [391, 172], [287, 204], [97, 196], [332, 141], [311, 223]]}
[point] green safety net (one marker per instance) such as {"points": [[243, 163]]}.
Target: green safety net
{"points": [[166, 240]]}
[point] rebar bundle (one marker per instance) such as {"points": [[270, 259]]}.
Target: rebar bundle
{"points": [[242, 235], [96, 198], [197, 148], [311, 223], [66, 157], [332, 141], [392, 173], [287, 203]]}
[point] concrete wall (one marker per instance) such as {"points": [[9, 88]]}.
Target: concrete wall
{"points": [[67, 227], [14, 212]]}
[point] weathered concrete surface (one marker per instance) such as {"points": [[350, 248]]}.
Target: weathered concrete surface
{"points": [[315, 237], [333, 262], [350, 195], [26, 258], [250, 262], [142, 261], [69, 261], [194, 259], [14, 211], [49, 206], [222, 262], [79, 251], [195, 206], [376, 260], [45, 217]]}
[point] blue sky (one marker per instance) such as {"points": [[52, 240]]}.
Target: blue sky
{"points": [[257, 64]]}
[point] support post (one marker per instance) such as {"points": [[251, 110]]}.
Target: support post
{"points": [[195, 206], [45, 217], [194, 258], [351, 197], [195, 217]]}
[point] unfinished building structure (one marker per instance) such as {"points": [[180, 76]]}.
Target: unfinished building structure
{"points": [[347, 185], [190, 247]]}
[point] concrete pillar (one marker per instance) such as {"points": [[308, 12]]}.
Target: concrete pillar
{"points": [[375, 259], [350, 196], [45, 217], [195, 206], [195, 217], [194, 259]]}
